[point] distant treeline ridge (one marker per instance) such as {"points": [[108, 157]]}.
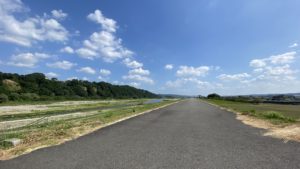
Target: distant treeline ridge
{"points": [[35, 86]]}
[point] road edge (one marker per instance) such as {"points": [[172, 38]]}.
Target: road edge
{"points": [[285, 133]]}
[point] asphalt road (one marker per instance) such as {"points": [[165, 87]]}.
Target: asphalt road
{"points": [[187, 135]]}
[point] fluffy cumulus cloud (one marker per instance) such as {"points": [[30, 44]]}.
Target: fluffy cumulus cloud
{"points": [[258, 63], [190, 80], [67, 49], [169, 66], [103, 44], [270, 75], [190, 71], [226, 77], [27, 30], [107, 24], [28, 60], [139, 71], [51, 75], [59, 14], [66, 65], [105, 72], [87, 70], [138, 76], [284, 58], [190, 86], [132, 63], [185, 81]]}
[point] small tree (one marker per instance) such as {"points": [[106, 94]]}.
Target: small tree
{"points": [[213, 96]]}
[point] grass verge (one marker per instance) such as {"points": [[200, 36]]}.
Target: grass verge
{"points": [[276, 114]]}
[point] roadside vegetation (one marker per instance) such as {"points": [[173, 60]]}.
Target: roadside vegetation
{"points": [[55, 132], [278, 115], [275, 113]]}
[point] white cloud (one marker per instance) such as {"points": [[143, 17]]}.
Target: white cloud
{"points": [[279, 70], [194, 84], [169, 66], [186, 71], [67, 49], [107, 24], [59, 14], [51, 75], [87, 70], [135, 84], [139, 71], [132, 63], [27, 59], [139, 78], [86, 53], [105, 72], [29, 30], [293, 45], [274, 67], [66, 65], [288, 57], [257, 63], [273, 74], [238, 77], [103, 44], [139, 75], [284, 58]]}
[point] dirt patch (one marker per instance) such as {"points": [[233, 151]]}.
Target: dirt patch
{"points": [[287, 133], [19, 109]]}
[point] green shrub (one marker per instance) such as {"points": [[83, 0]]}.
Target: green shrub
{"points": [[277, 116], [3, 98], [29, 96], [14, 97], [108, 114]]}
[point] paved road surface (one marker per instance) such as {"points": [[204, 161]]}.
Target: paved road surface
{"points": [[187, 135]]}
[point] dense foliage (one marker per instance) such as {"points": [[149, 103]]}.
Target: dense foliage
{"points": [[36, 86], [213, 96]]}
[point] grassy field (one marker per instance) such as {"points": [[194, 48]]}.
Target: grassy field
{"points": [[55, 132], [276, 113]]}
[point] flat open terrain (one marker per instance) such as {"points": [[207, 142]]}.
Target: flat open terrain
{"points": [[292, 111], [189, 134]]}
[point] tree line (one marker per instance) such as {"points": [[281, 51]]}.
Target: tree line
{"points": [[35, 86]]}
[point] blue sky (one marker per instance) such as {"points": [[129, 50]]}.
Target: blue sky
{"points": [[172, 46]]}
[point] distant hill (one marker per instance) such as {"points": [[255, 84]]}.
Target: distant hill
{"points": [[35, 86]]}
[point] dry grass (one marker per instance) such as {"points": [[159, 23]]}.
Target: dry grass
{"points": [[285, 132], [281, 130], [58, 132]]}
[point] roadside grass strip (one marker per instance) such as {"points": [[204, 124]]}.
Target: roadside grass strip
{"points": [[56, 132]]}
